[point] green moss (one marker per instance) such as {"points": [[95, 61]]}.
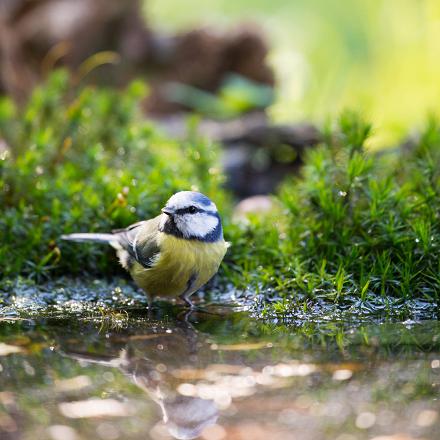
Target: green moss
{"points": [[354, 226], [86, 161]]}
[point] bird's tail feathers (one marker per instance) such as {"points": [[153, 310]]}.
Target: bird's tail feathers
{"points": [[103, 238]]}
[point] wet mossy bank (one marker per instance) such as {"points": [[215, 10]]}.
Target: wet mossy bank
{"points": [[356, 227]]}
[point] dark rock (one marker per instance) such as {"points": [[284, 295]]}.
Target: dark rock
{"points": [[257, 159], [257, 155]]}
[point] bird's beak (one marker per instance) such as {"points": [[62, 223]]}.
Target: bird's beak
{"points": [[167, 211]]}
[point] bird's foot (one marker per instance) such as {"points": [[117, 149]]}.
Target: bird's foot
{"points": [[187, 301]]}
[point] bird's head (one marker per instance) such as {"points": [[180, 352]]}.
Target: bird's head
{"points": [[193, 216]]}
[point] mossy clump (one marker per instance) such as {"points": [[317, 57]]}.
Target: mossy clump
{"points": [[86, 160], [355, 224]]}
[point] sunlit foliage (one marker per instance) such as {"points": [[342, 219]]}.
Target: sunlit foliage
{"points": [[380, 56]]}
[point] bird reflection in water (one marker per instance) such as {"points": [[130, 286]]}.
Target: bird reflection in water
{"points": [[149, 356]]}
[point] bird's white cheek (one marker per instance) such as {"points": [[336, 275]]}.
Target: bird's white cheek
{"points": [[196, 225]]}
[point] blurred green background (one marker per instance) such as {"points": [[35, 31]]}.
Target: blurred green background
{"points": [[380, 57]]}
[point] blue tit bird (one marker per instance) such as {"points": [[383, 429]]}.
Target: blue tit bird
{"points": [[173, 254]]}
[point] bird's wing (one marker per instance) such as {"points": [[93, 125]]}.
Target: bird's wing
{"points": [[129, 228], [140, 240]]}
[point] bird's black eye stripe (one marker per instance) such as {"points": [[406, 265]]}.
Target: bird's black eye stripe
{"points": [[189, 210]]}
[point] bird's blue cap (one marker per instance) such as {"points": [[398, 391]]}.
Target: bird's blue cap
{"points": [[186, 198]]}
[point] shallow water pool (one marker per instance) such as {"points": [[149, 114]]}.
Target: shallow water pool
{"points": [[216, 374]]}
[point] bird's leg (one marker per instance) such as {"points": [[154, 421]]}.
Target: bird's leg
{"points": [[185, 297], [188, 292], [150, 306]]}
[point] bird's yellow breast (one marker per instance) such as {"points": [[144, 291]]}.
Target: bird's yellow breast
{"points": [[179, 261]]}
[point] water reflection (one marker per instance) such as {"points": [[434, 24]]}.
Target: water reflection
{"points": [[215, 376], [150, 357]]}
